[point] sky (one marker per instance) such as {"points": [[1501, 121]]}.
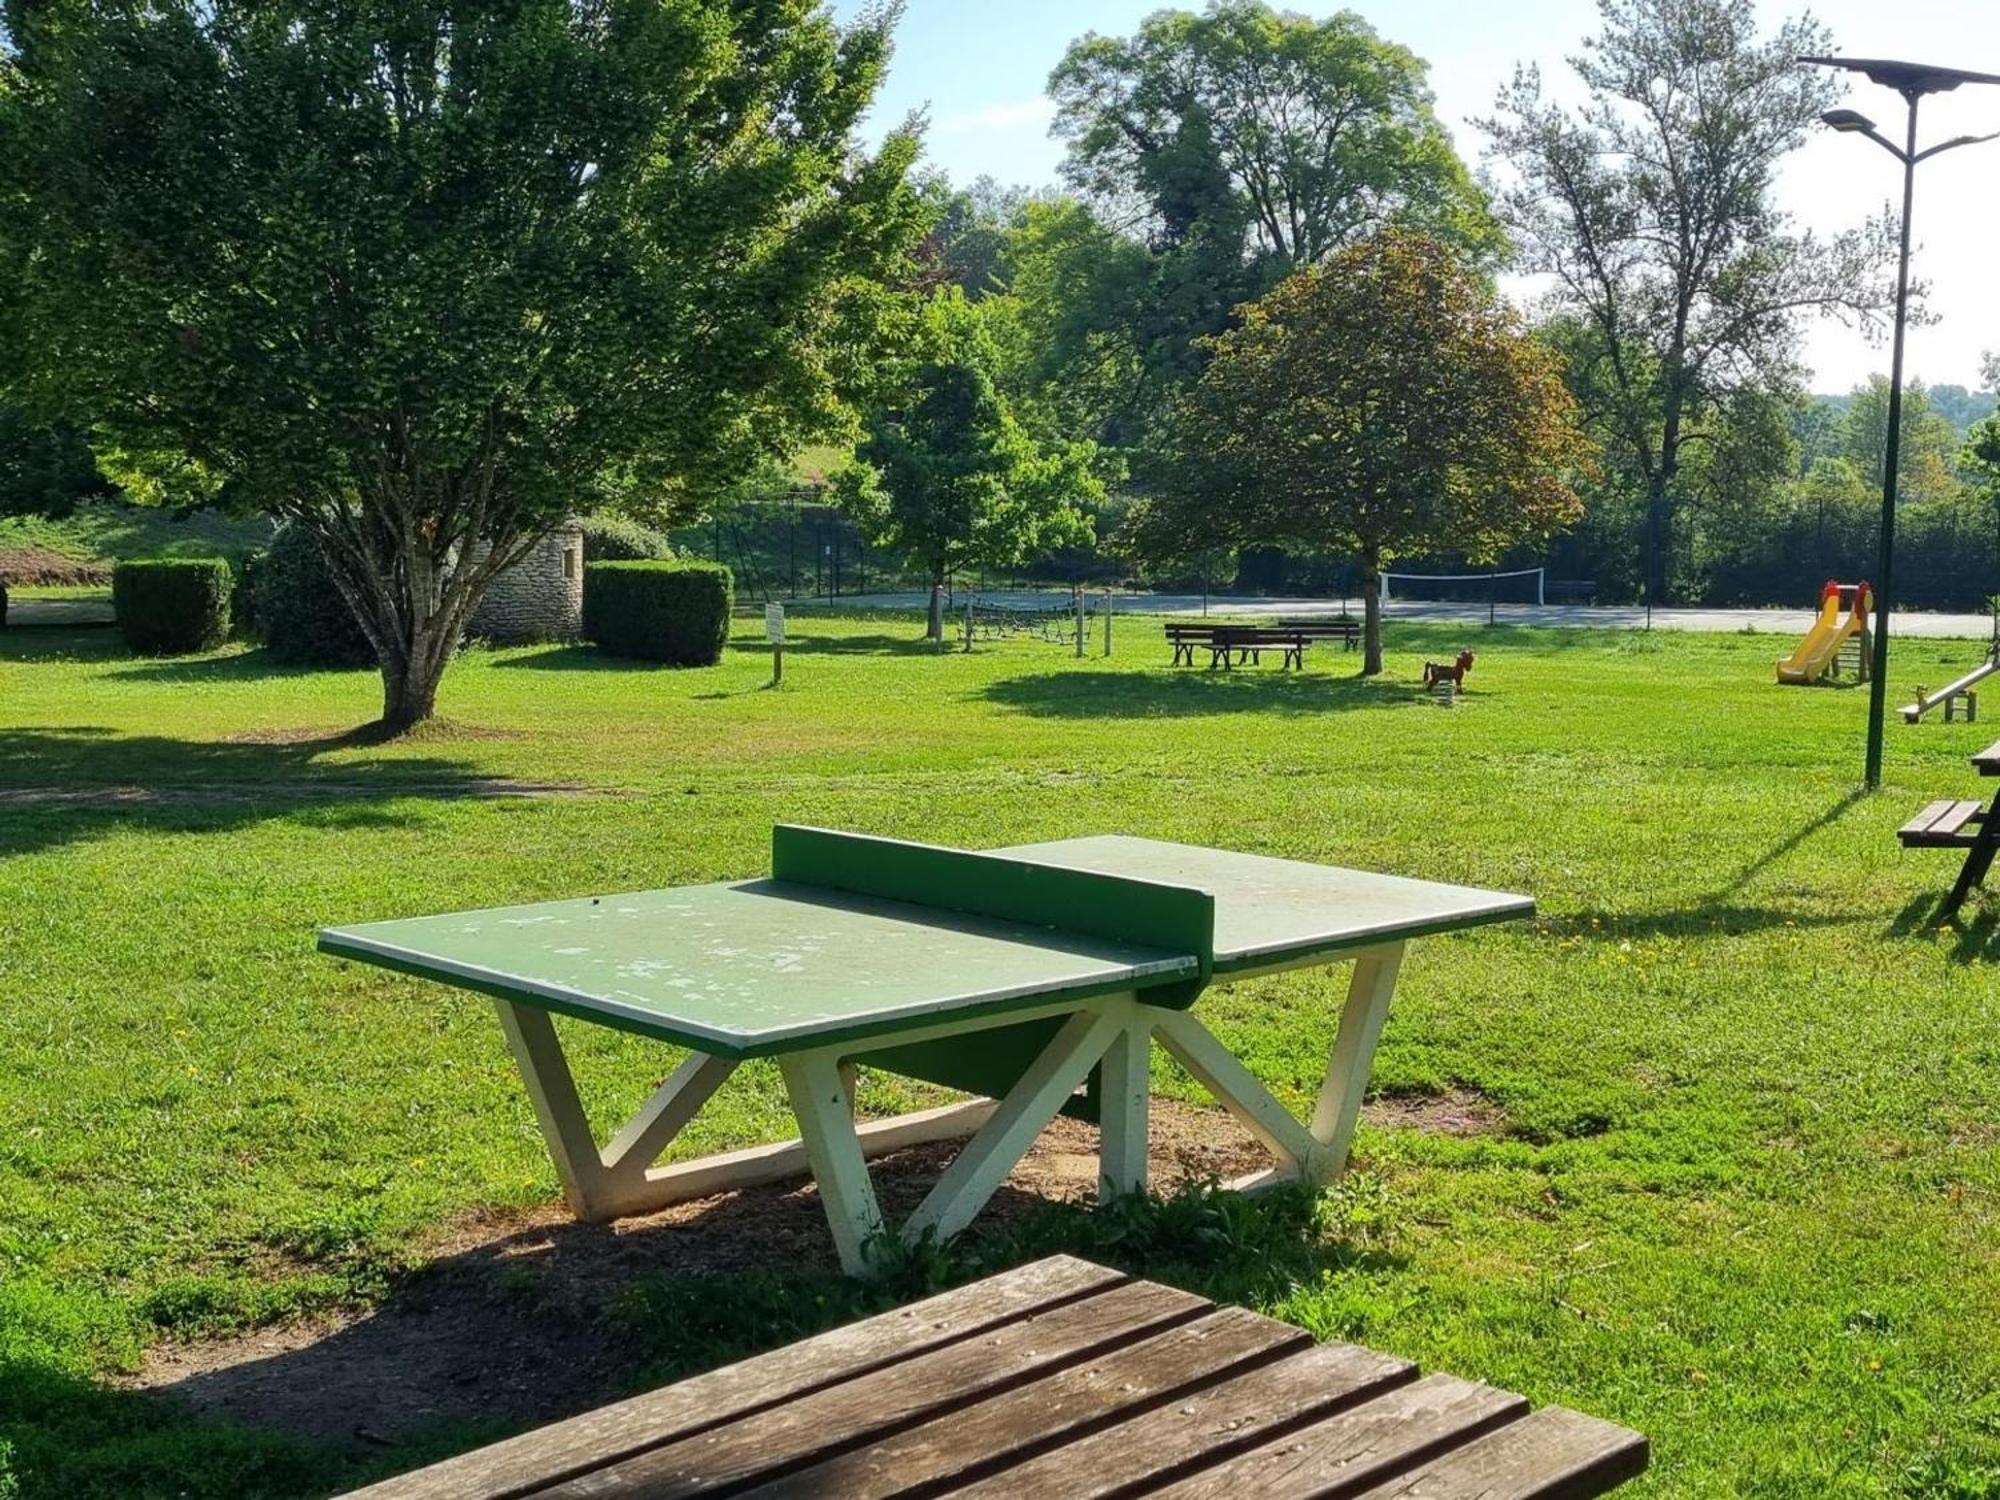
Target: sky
{"points": [[978, 68]]}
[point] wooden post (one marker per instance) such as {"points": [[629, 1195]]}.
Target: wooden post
{"points": [[1107, 622], [1079, 624], [968, 624], [774, 631]]}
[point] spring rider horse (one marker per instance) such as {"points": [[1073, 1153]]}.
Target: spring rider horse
{"points": [[1447, 680]]}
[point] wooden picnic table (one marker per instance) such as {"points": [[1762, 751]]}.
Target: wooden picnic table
{"points": [[1961, 823], [1060, 1380]]}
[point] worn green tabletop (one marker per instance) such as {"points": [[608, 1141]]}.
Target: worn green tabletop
{"points": [[751, 968], [1270, 911]]}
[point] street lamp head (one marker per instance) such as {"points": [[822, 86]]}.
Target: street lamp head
{"points": [[1907, 78], [1847, 119]]}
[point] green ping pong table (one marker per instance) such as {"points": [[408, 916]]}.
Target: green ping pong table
{"points": [[1034, 978]]}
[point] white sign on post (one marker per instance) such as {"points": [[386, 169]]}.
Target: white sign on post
{"points": [[774, 624]]}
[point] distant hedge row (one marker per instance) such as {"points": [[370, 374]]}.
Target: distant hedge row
{"points": [[171, 605], [675, 612]]}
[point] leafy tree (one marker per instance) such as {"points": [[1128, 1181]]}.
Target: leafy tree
{"points": [[1927, 462], [1292, 135], [1650, 208], [967, 237], [421, 275], [1228, 147], [1384, 403], [945, 476]]}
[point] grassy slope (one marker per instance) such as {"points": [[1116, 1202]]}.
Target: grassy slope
{"points": [[109, 533], [1748, 1198]]}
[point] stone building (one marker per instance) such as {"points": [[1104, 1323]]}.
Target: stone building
{"points": [[540, 598]]}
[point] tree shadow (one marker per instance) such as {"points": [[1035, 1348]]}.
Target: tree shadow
{"points": [[255, 665], [63, 785], [1191, 693]]}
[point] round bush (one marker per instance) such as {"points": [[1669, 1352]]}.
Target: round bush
{"points": [[303, 617], [616, 539], [675, 612], [168, 606]]}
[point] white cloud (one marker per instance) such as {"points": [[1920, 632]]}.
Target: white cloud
{"points": [[1035, 112]]}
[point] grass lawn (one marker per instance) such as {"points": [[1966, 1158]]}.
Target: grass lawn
{"points": [[1746, 1195]]}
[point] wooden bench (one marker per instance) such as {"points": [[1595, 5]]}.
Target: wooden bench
{"points": [[1056, 1381], [1231, 646], [1347, 632], [1570, 591], [1960, 823]]}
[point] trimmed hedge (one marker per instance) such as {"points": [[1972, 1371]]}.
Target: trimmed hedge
{"points": [[301, 613], [675, 612], [170, 605], [616, 539]]}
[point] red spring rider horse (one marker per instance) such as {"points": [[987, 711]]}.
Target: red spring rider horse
{"points": [[1437, 671]]}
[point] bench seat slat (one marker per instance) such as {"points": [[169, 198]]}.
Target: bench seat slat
{"points": [[805, 1430], [1946, 823], [1382, 1438], [1551, 1454], [1211, 1424], [1033, 1417], [553, 1453], [1987, 761]]}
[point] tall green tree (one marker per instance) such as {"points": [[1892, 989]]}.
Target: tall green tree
{"points": [[1649, 207], [946, 478], [425, 275], [1230, 147], [1386, 402], [1926, 462]]}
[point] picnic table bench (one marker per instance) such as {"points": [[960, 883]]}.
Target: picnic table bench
{"points": [[1230, 646], [1056, 1381], [1035, 979], [1960, 823], [1570, 591]]}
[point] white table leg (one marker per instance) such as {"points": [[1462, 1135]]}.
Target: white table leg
{"points": [[1339, 1104], [820, 1099], [531, 1037], [1317, 1153], [1026, 1111], [1124, 1099]]}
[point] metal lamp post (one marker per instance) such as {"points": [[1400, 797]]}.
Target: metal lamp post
{"points": [[1912, 81]]}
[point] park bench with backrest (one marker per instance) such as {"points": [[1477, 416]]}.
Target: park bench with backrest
{"points": [[1347, 632], [1960, 823], [1053, 1381], [1231, 646]]}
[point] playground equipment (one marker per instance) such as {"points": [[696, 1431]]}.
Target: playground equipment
{"points": [[1838, 640], [1957, 694]]}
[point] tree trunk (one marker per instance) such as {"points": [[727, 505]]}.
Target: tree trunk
{"points": [[1371, 613], [934, 630], [409, 688]]}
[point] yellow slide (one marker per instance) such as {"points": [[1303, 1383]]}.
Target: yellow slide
{"points": [[1819, 652]]}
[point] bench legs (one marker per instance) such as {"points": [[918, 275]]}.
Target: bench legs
{"points": [[1978, 861]]}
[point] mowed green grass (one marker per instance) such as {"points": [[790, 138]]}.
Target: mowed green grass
{"points": [[1748, 1194]]}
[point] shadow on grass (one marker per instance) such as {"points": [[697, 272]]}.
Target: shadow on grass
{"points": [[63, 785], [237, 666], [524, 1324], [1188, 693]]}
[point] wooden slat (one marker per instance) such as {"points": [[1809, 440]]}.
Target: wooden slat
{"points": [[1034, 1417], [1553, 1454], [852, 1413], [1224, 1419], [1370, 1443], [1942, 824], [1920, 822], [549, 1454], [1988, 760]]}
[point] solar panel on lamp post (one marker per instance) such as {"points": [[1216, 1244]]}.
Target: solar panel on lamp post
{"points": [[1912, 81]]}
